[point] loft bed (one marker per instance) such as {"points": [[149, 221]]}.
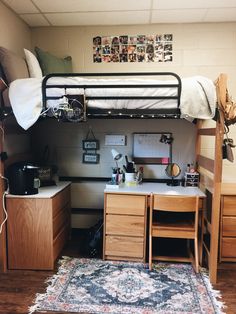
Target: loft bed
{"points": [[204, 93], [132, 95], [76, 97], [112, 95]]}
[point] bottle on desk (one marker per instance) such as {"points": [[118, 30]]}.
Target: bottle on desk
{"points": [[139, 175]]}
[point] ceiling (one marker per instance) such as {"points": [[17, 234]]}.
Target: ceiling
{"points": [[122, 12]]}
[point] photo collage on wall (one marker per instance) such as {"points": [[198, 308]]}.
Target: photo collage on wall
{"points": [[138, 48]]}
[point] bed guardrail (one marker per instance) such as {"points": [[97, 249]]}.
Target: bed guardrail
{"points": [[71, 111]]}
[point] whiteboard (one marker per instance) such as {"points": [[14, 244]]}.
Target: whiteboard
{"points": [[148, 149]]}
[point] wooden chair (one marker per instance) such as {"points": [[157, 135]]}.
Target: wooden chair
{"points": [[178, 226]]}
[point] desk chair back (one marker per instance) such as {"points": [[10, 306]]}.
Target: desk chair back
{"points": [[184, 226]]}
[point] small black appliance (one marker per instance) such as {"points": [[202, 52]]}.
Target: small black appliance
{"points": [[23, 178]]}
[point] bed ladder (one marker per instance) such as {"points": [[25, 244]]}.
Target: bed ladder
{"points": [[210, 181]]}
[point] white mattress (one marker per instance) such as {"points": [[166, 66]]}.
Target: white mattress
{"points": [[198, 98]]}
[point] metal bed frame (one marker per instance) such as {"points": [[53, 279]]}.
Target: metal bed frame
{"points": [[87, 112]]}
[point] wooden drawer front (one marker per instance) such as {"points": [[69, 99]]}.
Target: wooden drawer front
{"points": [[60, 241], [124, 246], [125, 204], [229, 226], [60, 200], [60, 220], [228, 247], [229, 205], [125, 225]]}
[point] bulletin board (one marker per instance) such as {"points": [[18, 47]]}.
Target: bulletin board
{"points": [[149, 149]]}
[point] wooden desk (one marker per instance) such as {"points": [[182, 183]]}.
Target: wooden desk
{"points": [[37, 227], [125, 218]]}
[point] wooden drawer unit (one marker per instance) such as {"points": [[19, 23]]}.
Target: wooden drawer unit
{"points": [[37, 229], [228, 229], [125, 221]]}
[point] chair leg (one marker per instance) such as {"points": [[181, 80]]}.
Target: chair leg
{"points": [[201, 238], [150, 253], [196, 254], [188, 246]]}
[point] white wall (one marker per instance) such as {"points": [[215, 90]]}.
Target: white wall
{"points": [[14, 35], [198, 49], [206, 49], [65, 142]]}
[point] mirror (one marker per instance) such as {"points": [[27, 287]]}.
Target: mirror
{"points": [[172, 171]]}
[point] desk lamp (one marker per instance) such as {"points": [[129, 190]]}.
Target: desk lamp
{"points": [[116, 156]]}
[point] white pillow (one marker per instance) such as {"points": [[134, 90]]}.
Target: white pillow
{"points": [[33, 64]]}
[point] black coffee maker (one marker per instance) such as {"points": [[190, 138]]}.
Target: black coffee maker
{"points": [[23, 178]]}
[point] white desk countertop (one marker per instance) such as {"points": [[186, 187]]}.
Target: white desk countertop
{"points": [[160, 188], [46, 191]]}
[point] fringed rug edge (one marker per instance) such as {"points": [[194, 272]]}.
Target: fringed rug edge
{"points": [[215, 294]]}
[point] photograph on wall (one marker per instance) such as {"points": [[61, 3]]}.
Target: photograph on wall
{"points": [[133, 48]]}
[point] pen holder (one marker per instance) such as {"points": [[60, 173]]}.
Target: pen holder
{"points": [[117, 178], [130, 178]]}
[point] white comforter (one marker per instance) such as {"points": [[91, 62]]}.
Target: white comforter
{"points": [[198, 97]]}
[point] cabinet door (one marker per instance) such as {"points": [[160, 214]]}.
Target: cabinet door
{"points": [[29, 233]]}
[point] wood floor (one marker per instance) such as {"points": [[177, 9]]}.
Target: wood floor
{"points": [[18, 288]]}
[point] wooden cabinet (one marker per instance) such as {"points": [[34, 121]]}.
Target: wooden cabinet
{"points": [[228, 229], [37, 228], [125, 227]]}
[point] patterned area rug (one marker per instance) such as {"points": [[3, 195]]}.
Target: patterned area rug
{"points": [[96, 286]]}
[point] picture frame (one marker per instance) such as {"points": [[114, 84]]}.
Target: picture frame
{"points": [[89, 158], [90, 144]]}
